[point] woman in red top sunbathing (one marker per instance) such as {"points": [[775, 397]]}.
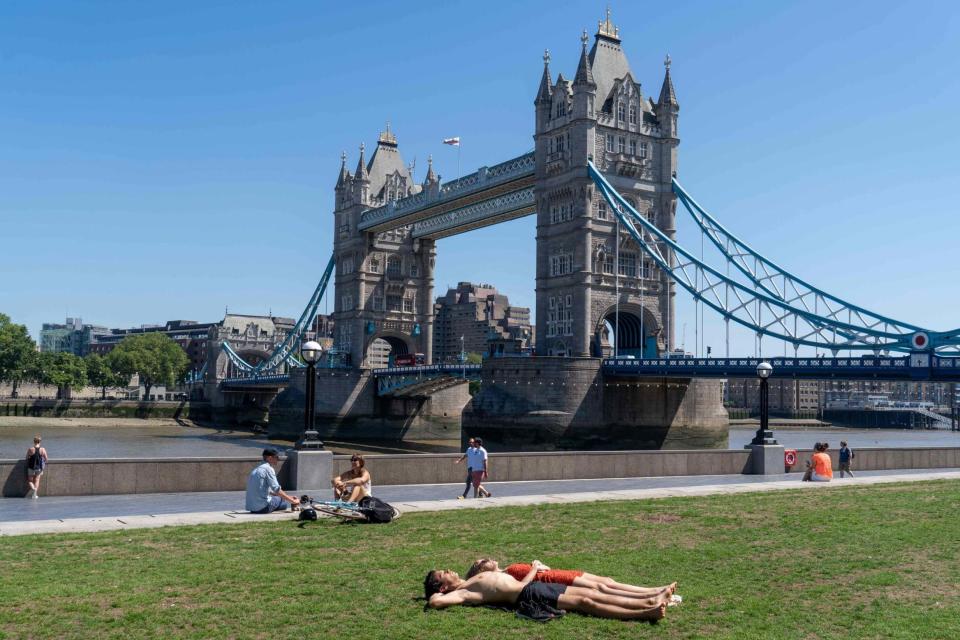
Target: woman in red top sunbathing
{"points": [[575, 579]]}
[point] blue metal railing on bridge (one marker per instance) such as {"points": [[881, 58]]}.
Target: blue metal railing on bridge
{"points": [[916, 367], [274, 380], [394, 378]]}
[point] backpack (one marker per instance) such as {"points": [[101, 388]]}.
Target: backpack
{"points": [[35, 461], [376, 510]]}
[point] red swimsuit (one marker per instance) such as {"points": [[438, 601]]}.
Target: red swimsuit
{"points": [[555, 576]]}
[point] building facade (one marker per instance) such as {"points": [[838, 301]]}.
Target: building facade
{"points": [[587, 264], [480, 315], [71, 337]]}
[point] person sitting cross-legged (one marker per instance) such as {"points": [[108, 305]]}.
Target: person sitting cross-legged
{"points": [[538, 600], [264, 494], [576, 578]]}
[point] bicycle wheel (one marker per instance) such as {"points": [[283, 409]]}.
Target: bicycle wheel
{"points": [[338, 511]]}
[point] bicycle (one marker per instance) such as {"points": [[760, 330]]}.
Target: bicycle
{"points": [[345, 511]]}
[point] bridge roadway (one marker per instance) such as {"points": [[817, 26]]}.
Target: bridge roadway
{"points": [[101, 513]]}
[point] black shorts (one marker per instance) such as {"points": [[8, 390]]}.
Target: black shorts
{"points": [[538, 600]]}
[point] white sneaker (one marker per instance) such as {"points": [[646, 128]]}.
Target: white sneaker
{"points": [[32, 492], [35, 495]]}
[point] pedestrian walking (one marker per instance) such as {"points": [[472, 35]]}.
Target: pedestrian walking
{"points": [[36, 463], [471, 443], [846, 455], [479, 466]]}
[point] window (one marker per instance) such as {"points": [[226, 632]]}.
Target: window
{"points": [[346, 265], [394, 266], [344, 229], [633, 146], [561, 212], [559, 144], [378, 301], [560, 317], [633, 114], [374, 264], [561, 264], [414, 269], [601, 209], [647, 270], [561, 107], [394, 303], [609, 142], [607, 265], [409, 304], [651, 216], [620, 111], [346, 302], [621, 144], [628, 264], [643, 149]]}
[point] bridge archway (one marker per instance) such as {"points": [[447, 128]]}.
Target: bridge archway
{"points": [[382, 346], [227, 369], [625, 330]]}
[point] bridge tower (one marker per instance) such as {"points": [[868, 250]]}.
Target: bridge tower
{"points": [[384, 281], [602, 115]]}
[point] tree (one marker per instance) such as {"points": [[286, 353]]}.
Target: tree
{"points": [[155, 357], [17, 351], [99, 374], [64, 370], [474, 358]]}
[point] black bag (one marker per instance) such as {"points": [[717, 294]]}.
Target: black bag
{"points": [[308, 514], [376, 510]]}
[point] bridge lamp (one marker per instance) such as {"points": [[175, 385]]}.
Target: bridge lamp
{"points": [[764, 435], [311, 352]]}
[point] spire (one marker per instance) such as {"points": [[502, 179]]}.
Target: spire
{"points": [[431, 176], [584, 72], [606, 28], [361, 172], [344, 174], [667, 95], [545, 92], [387, 137]]}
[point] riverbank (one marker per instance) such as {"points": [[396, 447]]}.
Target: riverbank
{"points": [[43, 422]]}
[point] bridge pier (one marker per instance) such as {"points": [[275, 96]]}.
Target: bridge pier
{"points": [[544, 404]]}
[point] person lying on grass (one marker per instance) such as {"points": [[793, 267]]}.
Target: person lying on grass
{"points": [[537, 600], [576, 578]]}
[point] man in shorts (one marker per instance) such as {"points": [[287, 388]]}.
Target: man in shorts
{"points": [[576, 578], [537, 600]]}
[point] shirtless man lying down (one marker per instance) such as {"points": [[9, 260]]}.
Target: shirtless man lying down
{"points": [[534, 599], [578, 579]]}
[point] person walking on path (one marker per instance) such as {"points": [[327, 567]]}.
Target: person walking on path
{"points": [[478, 464], [36, 463], [471, 443], [264, 494], [846, 455]]}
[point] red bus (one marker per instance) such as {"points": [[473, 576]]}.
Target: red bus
{"points": [[409, 360]]}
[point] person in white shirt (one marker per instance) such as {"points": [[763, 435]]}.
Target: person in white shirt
{"points": [[479, 466]]}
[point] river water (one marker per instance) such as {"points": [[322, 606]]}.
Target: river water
{"points": [[173, 441]]}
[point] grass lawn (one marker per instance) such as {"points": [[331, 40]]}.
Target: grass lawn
{"points": [[858, 562]]}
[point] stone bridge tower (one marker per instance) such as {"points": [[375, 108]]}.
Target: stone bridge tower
{"points": [[602, 115], [384, 281]]}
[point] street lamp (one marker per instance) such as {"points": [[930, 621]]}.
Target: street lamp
{"points": [[764, 435], [310, 351]]}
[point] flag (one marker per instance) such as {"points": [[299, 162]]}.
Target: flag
{"points": [[452, 141]]}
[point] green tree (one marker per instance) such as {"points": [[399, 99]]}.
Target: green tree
{"points": [[17, 352], [474, 358], [99, 374], [63, 370], [155, 357]]}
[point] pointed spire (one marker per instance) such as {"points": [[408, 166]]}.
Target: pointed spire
{"points": [[584, 72], [667, 95], [431, 176], [546, 91], [344, 174], [361, 172]]}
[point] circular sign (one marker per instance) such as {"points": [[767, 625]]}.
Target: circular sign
{"points": [[920, 340], [790, 457]]}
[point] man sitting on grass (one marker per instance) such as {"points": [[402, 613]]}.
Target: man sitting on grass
{"points": [[264, 494], [651, 595], [537, 600]]}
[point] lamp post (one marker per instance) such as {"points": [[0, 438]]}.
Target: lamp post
{"points": [[311, 352], [764, 435]]}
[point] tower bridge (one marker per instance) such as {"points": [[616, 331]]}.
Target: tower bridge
{"points": [[601, 182]]}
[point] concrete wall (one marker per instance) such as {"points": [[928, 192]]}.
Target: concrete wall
{"points": [[529, 404], [105, 408], [133, 475]]}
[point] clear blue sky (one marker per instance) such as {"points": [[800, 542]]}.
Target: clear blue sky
{"points": [[166, 160]]}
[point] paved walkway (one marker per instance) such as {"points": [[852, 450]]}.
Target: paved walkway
{"points": [[19, 516]]}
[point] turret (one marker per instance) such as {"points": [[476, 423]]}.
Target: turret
{"points": [[584, 86], [361, 179], [544, 98], [667, 105], [343, 182]]}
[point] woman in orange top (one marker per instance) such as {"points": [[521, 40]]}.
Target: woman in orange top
{"points": [[822, 465], [576, 579]]}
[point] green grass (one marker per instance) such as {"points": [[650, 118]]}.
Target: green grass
{"points": [[859, 562]]}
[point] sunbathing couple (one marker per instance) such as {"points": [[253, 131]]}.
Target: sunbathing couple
{"points": [[541, 593]]}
